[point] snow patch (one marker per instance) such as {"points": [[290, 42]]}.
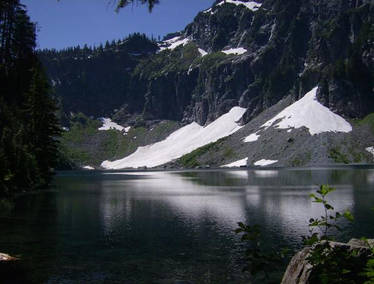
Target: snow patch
{"points": [[173, 43], [109, 124], [239, 163], [251, 5], [308, 112], [202, 52], [180, 142], [237, 51], [370, 149], [264, 162], [88, 168], [252, 137]]}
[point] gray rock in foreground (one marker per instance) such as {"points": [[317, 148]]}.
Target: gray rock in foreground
{"points": [[299, 269]]}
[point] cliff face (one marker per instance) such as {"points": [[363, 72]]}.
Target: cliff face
{"points": [[291, 46], [245, 53]]}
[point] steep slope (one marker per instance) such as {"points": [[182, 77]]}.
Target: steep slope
{"points": [[94, 80], [286, 49], [180, 142], [264, 57]]}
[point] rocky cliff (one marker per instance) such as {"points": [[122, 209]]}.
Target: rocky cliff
{"points": [[289, 47], [261, 56]]}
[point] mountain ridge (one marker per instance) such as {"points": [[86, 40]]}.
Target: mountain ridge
{"points": [[254, 55]]}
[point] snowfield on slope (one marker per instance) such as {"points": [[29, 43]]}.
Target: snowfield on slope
{"points": [[370, 150], [236, 51], [239, 163], [264, 162], [310, 113], [109, 124], [180, 142], [173, 43], [251, 138]]}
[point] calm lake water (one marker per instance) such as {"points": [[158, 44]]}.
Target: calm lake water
{"points": [[171, 227]]}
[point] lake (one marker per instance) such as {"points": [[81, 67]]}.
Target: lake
{"points": [[172, 227]]}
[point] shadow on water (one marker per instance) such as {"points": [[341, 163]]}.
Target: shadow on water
{"points": [[161, 227]]}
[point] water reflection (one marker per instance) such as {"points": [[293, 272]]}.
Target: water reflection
{"points": [[166, 226]]}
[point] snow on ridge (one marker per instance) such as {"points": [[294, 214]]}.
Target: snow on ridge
{"points": [[237, 51], [370, 149], [239, 163], [173, 43], [251, 138], [180, 142], [251, 5], [264, 162], [308, 112], [202, 52]]}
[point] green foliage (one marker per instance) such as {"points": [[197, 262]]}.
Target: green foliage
{"points": [[368, 120], [301, 160], [320, 228], [84, 144], [369, 268], [259, 262], [95, 80], [336, 264], [28, 125], [191, 160], [338, 156], [179, 59], [332, 264], [212, 60]]}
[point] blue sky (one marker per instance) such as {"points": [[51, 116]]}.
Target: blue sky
{"points": [[71, 22]]}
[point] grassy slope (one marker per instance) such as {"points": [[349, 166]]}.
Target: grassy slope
{"points": [[84, 145]]}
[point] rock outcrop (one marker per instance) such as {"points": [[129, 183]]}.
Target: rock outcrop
{"points": [[289, 48], [300, 271]]}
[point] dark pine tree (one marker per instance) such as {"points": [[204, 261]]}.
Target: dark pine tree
{"points": [[28, 126]]}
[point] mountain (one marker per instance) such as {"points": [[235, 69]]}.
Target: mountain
{"points": [[310, 60], [94, 80]]}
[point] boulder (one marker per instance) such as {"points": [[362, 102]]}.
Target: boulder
{"points": [[299, 270]]}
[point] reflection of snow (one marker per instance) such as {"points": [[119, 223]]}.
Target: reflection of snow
{"points": [[186, 198], [266, 174], [240, 174], [282, 203], [370, 177]]}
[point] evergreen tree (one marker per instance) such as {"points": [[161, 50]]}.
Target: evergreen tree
{"points": [[28, 125]]}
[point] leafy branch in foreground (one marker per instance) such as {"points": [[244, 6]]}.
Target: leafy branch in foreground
{"points": [[320, 228], [260, 263], [331, 262]]}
